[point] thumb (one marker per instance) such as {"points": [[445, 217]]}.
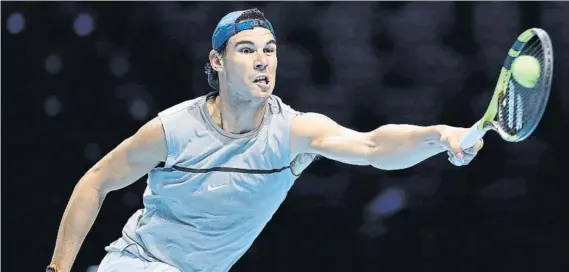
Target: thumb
{"points": [[453, 145]]}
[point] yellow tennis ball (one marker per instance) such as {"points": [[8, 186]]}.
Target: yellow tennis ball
{"points": [[526, 71]]}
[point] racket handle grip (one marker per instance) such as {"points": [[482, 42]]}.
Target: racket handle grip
{"points": [[472, 136]]}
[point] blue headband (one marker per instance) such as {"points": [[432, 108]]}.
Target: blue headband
{"points": [[227, 27]]}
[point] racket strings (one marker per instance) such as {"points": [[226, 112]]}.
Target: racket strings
{"points": [[520, 107]]}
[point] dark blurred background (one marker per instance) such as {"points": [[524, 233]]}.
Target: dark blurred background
{"points": [[79, 77]]}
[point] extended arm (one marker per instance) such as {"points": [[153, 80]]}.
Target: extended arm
{"points": [[389, 147], [127, 163]]}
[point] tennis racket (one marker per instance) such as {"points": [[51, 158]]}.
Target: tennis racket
{"points": [[515, 111]]}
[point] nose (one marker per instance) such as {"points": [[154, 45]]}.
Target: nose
{"points": [[260, 67], [261, 62]]}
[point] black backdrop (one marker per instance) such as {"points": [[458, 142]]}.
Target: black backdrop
{"points": [[79, 77]]}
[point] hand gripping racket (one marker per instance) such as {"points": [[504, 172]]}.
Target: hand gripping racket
{"points": [[515, 111]]}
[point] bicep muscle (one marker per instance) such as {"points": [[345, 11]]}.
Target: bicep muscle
{"points": [[130, 160]]}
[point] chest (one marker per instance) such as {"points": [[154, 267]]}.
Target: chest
{"points": [[221, 191], [229, 175]]}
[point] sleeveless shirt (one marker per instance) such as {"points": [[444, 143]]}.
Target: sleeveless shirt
{"points": [[211, 198]]}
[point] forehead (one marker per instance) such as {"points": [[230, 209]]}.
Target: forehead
{"points": [[255, 35]]}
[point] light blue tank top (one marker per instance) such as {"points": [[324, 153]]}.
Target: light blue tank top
{"points": [[204, 207]]}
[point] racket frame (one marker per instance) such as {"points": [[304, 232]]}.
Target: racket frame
{"points": [[487, 122]]}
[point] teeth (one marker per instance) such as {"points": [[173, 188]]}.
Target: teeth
{"points": [[259, 78]]}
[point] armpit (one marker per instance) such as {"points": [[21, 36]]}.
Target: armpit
{"points": [[301, 162]]}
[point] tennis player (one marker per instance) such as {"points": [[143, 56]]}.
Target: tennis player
{"points": [[220, 165]]}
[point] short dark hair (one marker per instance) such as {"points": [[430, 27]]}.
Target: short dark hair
{"points": [[212, 76]]}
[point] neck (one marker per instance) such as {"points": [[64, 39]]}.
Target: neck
{"points": [[238, 115]]}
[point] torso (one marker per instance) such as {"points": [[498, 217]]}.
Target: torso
{"points": [[215, 192]]}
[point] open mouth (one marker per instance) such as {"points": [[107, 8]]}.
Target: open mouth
{"points": [[261, 80]]}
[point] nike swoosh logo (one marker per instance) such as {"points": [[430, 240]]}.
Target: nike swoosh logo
{"points": [[213, 188]]}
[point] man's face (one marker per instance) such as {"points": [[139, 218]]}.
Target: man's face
{"points": [[250, 63]]}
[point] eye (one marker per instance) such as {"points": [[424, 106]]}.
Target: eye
{"points": [[246, 50], [270, 50]]}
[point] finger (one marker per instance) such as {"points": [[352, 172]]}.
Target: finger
{"points": [[451, 155], [468, 158], [467, 161], [479, 144], [454, 147], [470, 151], [475, 148], [455, 161]]}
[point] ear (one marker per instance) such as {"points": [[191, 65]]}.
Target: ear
{"points": [[215, 61]]}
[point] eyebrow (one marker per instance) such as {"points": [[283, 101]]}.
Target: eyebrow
{"points": [[251, 43]]}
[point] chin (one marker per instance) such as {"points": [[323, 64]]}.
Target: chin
{"points": [[260, 93]]}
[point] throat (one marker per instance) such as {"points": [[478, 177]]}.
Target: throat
{"points": [[236, 118]]}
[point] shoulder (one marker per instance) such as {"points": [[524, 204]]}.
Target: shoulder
{"points": [[182, 117], [302, 124], [305, 128], [309, 124], [182, 106], [150, 139], [179, 123], [151, 132], [278, 106], [152, 128]]}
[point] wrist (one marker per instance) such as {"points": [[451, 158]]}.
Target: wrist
{"points": [[431, 136], [431, 133]]}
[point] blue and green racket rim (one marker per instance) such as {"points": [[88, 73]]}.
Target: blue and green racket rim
{"points": [[502, 84]]}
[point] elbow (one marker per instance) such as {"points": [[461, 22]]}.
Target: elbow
{"points": [[374, 158], [386, 160], [92, 182]]}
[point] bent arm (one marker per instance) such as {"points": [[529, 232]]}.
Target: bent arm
{"points": [[124, 165], [388, 147]]}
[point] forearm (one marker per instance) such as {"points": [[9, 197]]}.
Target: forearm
{"points": [[403, 146], [78, 218]]}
